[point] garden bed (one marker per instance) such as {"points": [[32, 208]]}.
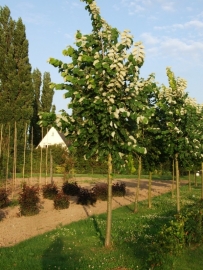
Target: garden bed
{"points": [[15, 228]]}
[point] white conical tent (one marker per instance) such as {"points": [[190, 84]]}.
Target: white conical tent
{"points": [[53, 137]]}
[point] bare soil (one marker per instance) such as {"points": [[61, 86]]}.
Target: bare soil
{"points": [[15, 228]]}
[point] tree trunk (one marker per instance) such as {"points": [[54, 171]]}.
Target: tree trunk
{"points": [[150, 191], [177, 184], [24, 151], [109, 204], [31, 157], [202, 181], [195, 178], [173, 179], [138, 185], [8, 155], [51, 168], [189, 181]]}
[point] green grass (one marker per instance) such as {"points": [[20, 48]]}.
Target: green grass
{"points": [[80, 245]]}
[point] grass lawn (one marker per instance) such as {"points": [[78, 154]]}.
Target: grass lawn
{"points": [[80, 245]]}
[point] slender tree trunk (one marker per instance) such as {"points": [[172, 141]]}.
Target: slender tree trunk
{"points": [[138, 185], [109, 203], [40, 169], [150, 191], [51, 168], [8, 155], [195, 178], [31, 156], [25, 140], [177, 184], [1, 143], [202, 181], [14, 160], [173, 179], [1, 139], [189, 180]]}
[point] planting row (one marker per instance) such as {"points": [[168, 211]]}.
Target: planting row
{"points": [[29, 198]]}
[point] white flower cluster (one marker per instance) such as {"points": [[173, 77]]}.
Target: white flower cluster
{"points": [[140, 119], [138, 52], [126, 38], [181, 84], [95, 9], [120, 110]]}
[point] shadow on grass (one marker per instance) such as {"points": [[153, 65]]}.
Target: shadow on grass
{"points": [[98, 230], [57, 257]]}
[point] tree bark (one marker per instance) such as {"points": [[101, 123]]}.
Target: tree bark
{"points": [[202, 181], [138, 185], [177, 184], [189, 181], [109, 204], [150, 191], [173, 179]]}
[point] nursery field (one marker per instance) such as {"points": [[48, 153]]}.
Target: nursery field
{"points": [[15, 228], [73, 238]]}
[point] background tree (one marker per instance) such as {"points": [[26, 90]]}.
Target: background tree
{"points": [[175, 117], [47, 93], [16, 91], [34, 127], [43, 97]]}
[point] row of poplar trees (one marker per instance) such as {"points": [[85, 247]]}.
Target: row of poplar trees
{"points": [[24, 92]]}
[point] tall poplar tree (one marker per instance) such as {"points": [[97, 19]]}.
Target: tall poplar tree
{"points": [[43, 97], [47, 93], [34, 127], [16, 91]]}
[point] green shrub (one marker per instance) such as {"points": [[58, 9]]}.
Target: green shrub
{"points": [[49, 191], [168, 242], [193, 224], [71, 189], [61, 201], [4, 201], [86, 197], [184, 230], [29, 200]]}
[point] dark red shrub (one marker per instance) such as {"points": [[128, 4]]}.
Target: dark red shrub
{"points": [[4, 201], [86, 197], [29, 200], [119, 190], [71, 189], [101, 191], [49, 191], [61, 201]]}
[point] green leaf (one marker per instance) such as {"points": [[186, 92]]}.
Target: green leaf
{"points": [[69, 51]]}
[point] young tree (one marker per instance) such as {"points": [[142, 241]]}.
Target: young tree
{"points": [[102, 80], [176, 115]]}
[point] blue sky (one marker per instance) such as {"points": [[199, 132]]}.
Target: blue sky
{"points": [[171, 31]]}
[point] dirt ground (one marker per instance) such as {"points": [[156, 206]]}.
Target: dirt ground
{"points": [[15, 228]]}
